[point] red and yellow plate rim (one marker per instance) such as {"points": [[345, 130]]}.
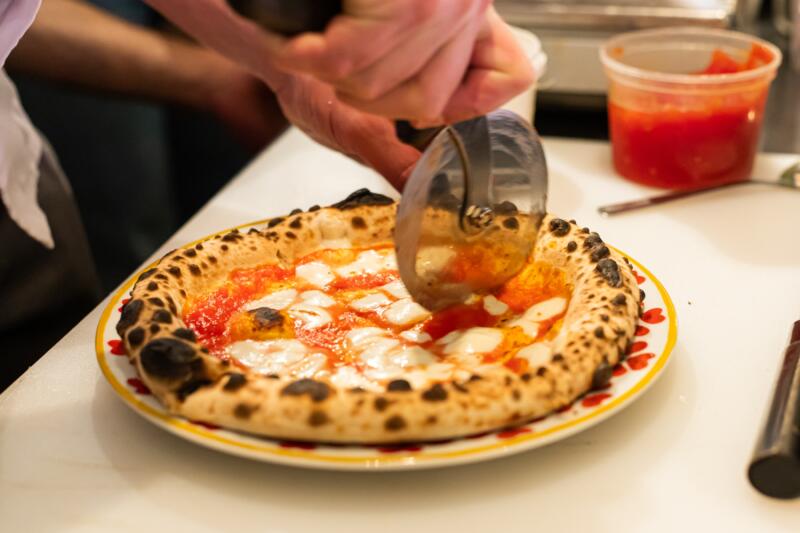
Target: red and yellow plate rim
{"points": [[417, 458]]}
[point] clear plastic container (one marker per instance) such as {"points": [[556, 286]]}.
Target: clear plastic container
{"points": [[524, 104], [674, 123]]}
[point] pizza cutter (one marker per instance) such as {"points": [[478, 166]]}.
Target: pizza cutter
{"points": [[471, 210], [472, 207]]}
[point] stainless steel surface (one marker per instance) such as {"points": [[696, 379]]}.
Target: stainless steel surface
{"points": [[618, 15], [571, 32], [789, 178], [471, 210]]}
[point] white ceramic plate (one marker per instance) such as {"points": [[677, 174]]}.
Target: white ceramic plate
{"points": [[650, 352]]}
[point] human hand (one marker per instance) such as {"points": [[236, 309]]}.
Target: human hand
{"points": [[313, 107], [429, 61]]}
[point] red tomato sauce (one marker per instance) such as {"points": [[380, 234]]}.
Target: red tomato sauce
{"points": [[675, 146]]}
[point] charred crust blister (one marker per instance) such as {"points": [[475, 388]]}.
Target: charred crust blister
{"points": [[381, 404], [559, 227], [194, 270], [395, 423], [592, 240], [163, 316], [175, 271], [619, 299], [609, 270], [398, 385], [599, 252], [505, 208], [170, 359], [152, 286], [185, 334], [316, 390], [511, 223], [318, 418], [235, 382], [190, 387], [358, 223], [362, 197], [435, 394], [158, 302], [135, 337], [572, 246], [130, 314], [243, 411], [602, 375], [147, 273], [296, 223]]}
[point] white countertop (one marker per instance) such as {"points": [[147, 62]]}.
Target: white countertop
{"points": [[73, 457]]}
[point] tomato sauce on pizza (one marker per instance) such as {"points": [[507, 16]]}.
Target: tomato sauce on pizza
{"points": [[344, 314]]}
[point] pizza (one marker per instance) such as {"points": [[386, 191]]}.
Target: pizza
{"points": [[302, 330]]}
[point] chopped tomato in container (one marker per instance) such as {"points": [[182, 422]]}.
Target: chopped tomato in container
{"points": [[685, 105]]}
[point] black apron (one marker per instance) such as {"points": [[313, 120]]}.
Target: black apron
{"points": [[43, 293]]}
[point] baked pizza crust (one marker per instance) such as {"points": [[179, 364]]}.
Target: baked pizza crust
{"points": [[597, 329]]}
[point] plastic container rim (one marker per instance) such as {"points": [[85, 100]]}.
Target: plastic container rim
{"points": [[615, 69]]}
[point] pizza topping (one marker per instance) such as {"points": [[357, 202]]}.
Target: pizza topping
{"points": [[494, 306], [536, 354], [396, 289], [311, 316], [475, 340], [371, 302], [315, 273], [405, 312], [418, 337], [277, 300], [368, 262], [317, 298]]}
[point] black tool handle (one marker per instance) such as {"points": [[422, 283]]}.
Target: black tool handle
{"points": [[289, 17], [292, 17], [775, 468]]}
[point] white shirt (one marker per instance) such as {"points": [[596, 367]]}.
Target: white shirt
{"points": [[20, 145]]}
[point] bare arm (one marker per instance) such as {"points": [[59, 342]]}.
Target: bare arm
{"points": [[73, 42]]}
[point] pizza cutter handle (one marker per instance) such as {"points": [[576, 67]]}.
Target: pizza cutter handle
{"points": [[775, 467], [289, 17]]}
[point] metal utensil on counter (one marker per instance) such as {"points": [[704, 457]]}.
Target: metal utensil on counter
{"points": [[471, 210], [775, 468], [789, 178]]}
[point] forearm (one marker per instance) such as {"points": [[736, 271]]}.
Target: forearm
{"points": [[76, 43]]}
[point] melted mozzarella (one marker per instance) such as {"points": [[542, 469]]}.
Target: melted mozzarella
{"points": [[309, 366], [268, 357], [419, 337], [537, 354], [368, 262], [277, 300], [475, 340], [450, 337], [312, 316], [375, 353], [530, 328], [349, 377], [412, 356], [359, 337], [396, 289], [317, 298], [371, 302], [405, 312], [546, 309], [315, 273], [493, 306]]}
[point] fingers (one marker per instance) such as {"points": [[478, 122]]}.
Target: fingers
{"points": [[424, 97], [499, 70]]}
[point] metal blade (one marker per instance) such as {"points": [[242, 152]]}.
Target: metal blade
{"points": [[471, 210]]}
